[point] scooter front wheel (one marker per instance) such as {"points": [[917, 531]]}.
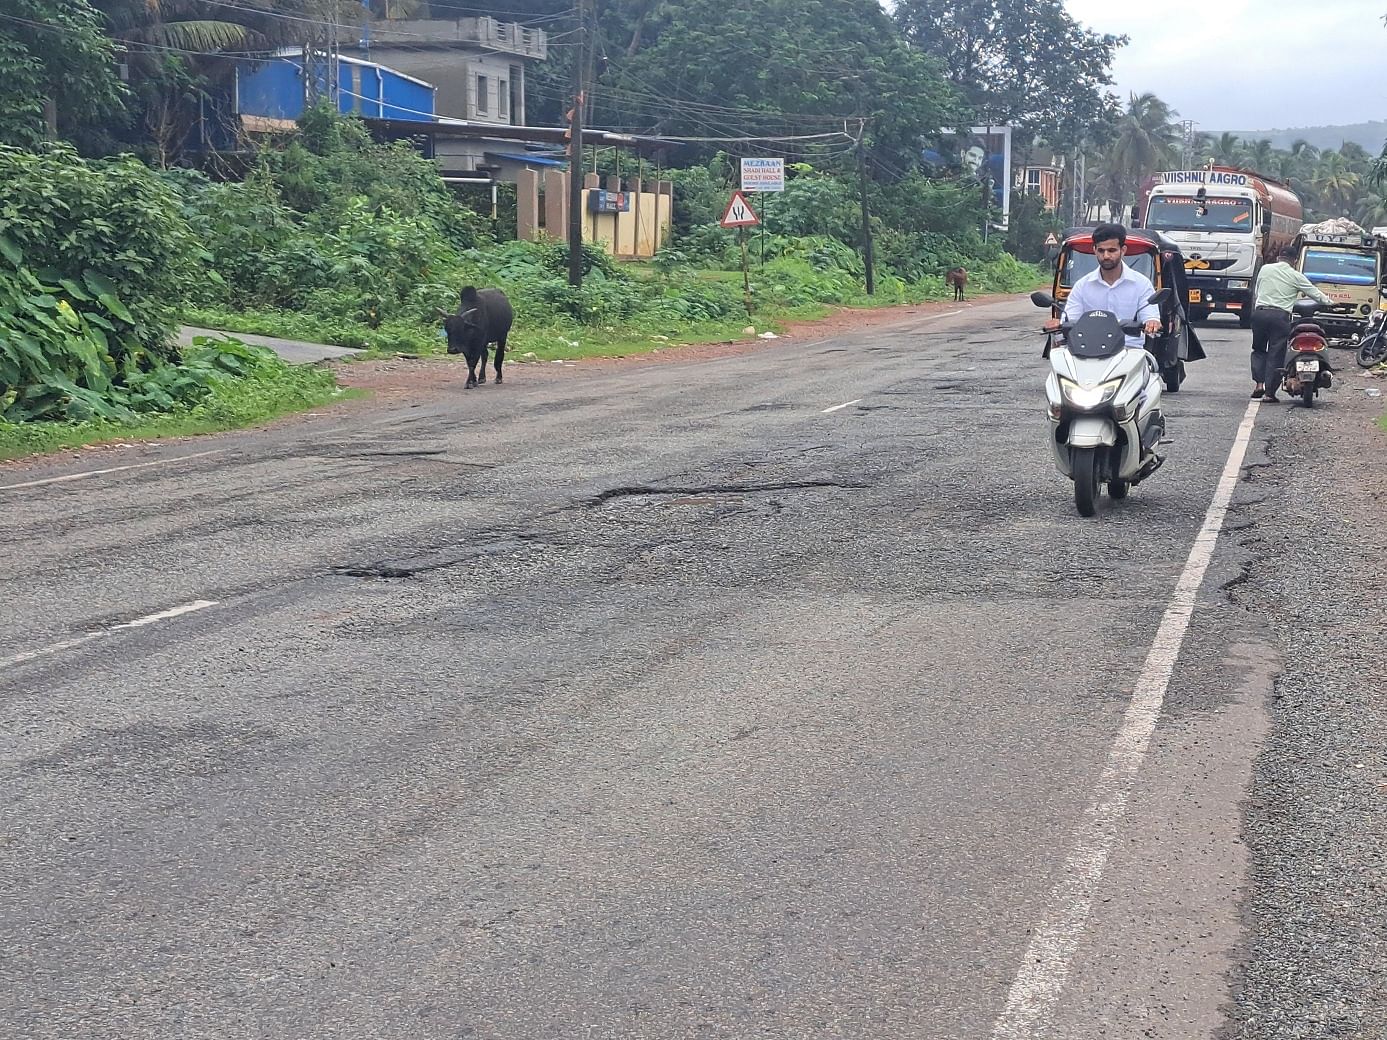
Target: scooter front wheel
{"points": [[1118, 489], [1373, 351], [1086, 480]]}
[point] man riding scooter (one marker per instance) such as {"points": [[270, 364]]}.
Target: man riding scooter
{"points": [[1113, 287]]}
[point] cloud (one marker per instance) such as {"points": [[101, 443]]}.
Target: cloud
{"points": [[1250, 64]]}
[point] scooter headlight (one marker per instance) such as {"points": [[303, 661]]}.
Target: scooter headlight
{"points": [[1086, 398]]}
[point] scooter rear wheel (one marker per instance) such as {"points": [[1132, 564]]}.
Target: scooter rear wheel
{"points": [[1086, 480], [1307, 393]]}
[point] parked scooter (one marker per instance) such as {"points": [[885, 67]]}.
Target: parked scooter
{"points": [[1105, 404], [1372, 348], [1307, 366]]}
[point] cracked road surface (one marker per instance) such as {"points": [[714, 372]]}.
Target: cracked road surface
{"points": [[759, 697]]}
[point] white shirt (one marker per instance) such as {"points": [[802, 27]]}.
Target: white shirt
{"points": [[1125, 297]]}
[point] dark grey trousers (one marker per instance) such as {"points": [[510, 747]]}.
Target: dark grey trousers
{"points": [[1271, 328]]}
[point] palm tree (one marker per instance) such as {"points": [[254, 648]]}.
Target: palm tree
{"points": [[1227, 150], [1356, 156], [1303, 149], [1259, 154], [152, 26], [1147, 140], [1372, 210], [1336, 184]]}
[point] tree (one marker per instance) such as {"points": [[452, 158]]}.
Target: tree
{"points": [[1003, 55], [1147, 140], [1260, 154], [55, 64], [1226, 150], [1336, 184], [778, 67]]}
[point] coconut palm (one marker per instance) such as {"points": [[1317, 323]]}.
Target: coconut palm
{"points": [[1147, 140], [201, 29], [1357, 157], [1303, 149], [1260, 154], [1226, 150], [1371, 210], [1336, 183]]}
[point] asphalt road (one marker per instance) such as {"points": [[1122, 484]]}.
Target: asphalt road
{"points": [[675, 700]]}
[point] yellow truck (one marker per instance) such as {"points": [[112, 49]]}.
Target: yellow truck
{"points": [[1345, 262]]}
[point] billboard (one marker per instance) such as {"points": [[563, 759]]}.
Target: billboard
{"points": [[982, 152]]}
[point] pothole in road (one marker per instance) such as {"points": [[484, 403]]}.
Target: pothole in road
{"points": [[720, 501], [722, 490]]}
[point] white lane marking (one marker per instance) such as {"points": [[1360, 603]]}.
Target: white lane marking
{"points": [[1035, 993], [68, 644], [113, 469], [840, 407]]}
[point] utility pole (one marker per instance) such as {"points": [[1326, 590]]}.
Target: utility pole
{"points": [[575, 151], [868, 258]]}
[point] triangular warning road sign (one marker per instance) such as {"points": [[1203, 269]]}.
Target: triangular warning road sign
{"points": [[1051, 240], [739, 213]]}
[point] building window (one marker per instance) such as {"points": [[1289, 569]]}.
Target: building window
{"points": [[517, 103], [481, 95], [1033, 182], [502, 99]]}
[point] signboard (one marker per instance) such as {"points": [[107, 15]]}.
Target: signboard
{"points": [[763, 174], [609, 201], [980, 152], [1214, 177], [1051, 240], [739, 213]]}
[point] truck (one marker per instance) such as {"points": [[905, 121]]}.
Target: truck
{"points": [[1228, 223], [1345, 262]]}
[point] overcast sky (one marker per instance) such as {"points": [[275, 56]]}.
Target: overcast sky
{"points": [[1251, 64]]}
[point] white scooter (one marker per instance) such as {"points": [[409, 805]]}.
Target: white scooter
{"points": [[1105, 405]]}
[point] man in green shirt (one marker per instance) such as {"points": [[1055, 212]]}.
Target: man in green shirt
{"points": [[1279, 285]]}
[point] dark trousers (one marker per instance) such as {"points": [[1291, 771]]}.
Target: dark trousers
{"points": [[1271, 328]]}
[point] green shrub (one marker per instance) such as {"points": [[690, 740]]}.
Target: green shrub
{"points": [[107, 235]]}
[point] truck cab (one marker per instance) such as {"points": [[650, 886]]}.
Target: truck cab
{"points": [[1348, 268], [1227, 224]]}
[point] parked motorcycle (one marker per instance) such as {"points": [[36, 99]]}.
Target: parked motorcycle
{"points": [[1307, 365], [1372, 348], [1105, 404]]}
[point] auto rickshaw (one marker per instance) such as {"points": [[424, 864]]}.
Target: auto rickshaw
{"points": [[1160, 259]]}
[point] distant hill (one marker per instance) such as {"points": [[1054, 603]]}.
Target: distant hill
{"points": [[1370, 135]]}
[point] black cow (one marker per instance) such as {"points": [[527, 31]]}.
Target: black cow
{"points": [[484, 317]]}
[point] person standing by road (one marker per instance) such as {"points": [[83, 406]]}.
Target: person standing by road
{"points": [[1279, 286]]}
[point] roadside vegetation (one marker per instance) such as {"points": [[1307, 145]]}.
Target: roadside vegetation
{"points": [[110, 236], [339, 240], [334, 238]]}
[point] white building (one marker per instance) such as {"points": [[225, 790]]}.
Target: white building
{"points": [[477, 66]]}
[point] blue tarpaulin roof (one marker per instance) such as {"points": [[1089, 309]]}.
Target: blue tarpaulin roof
{"points": [[529, 157]]}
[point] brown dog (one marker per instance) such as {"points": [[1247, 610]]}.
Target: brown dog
{"points": [[957, 278]]}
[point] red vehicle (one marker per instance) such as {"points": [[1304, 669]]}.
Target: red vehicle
{"points": [[1155, 256], [1307, 367]]}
